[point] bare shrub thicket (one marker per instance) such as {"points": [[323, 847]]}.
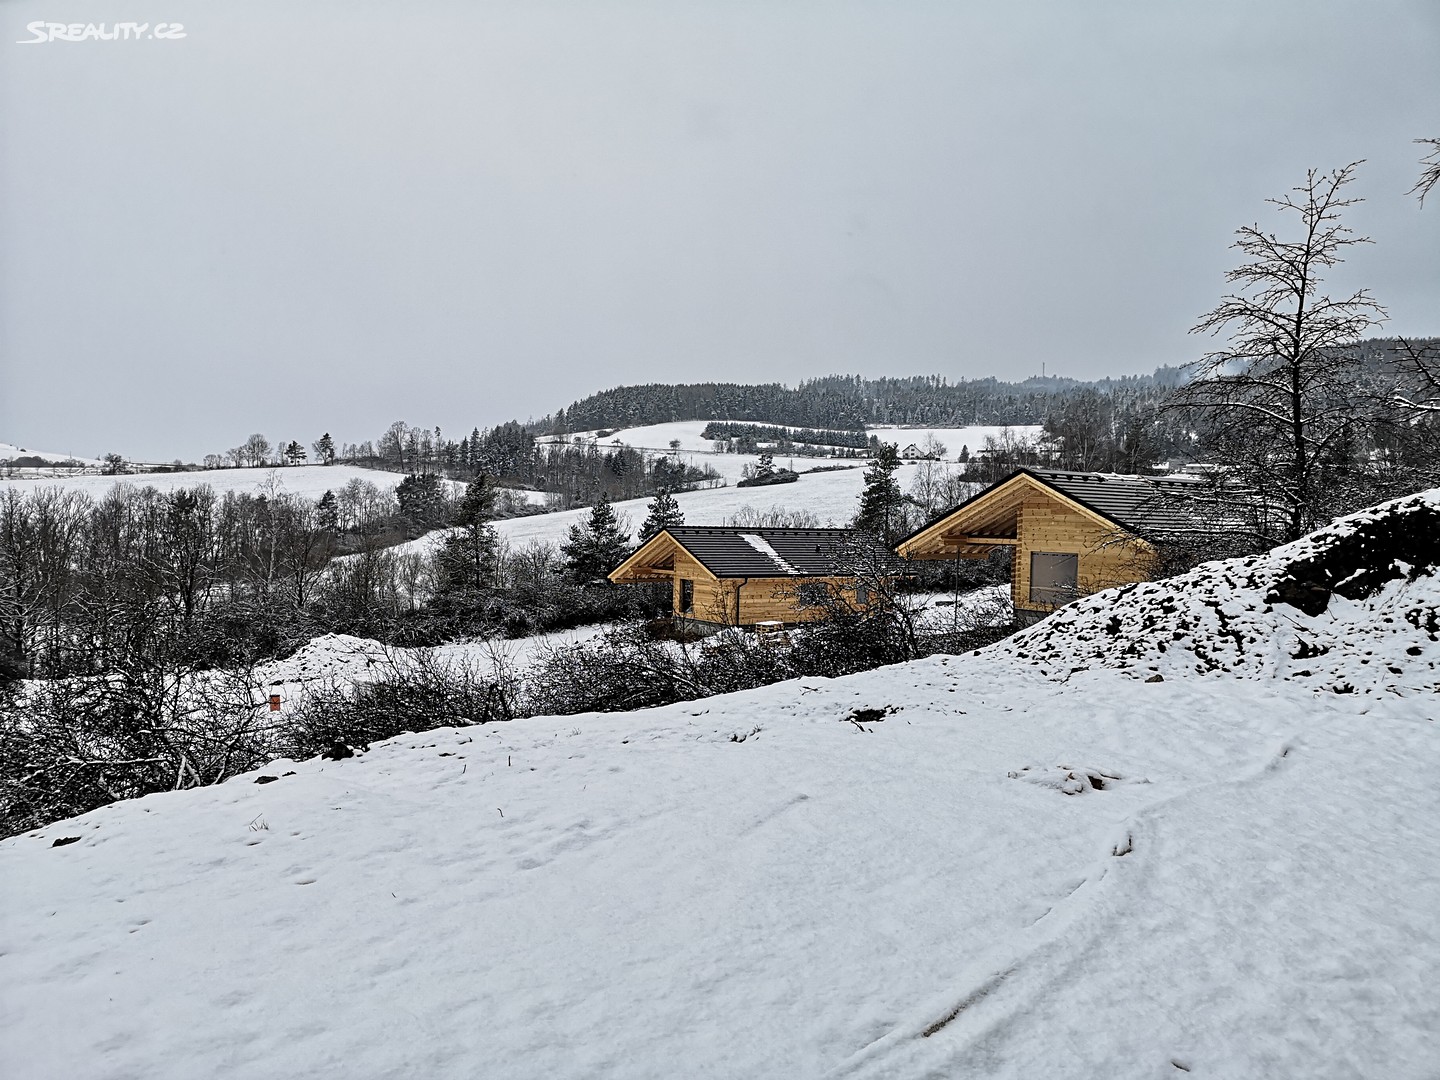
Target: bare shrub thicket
{"points": [[413, 691], [73, 744], [629, 669]]}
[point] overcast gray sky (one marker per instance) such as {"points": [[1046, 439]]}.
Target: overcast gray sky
{"points": [[318, 216]]}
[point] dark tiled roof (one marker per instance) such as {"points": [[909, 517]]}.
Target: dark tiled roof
{"points": [[732, 551], [1142, 504]]}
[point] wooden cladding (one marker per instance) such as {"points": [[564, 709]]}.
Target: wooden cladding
{"points": [[745, 602], [1104, 556], [1063, 549]]}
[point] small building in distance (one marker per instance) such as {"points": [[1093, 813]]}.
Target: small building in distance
{"points": [[733, 576], [1072, 533]]}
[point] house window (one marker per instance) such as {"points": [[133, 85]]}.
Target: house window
{"points": [[862, 595], [1054, 578], [813, 594], [687, 596]]}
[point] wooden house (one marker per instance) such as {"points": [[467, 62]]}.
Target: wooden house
{"points": [[733, 576], [1072, 533]]}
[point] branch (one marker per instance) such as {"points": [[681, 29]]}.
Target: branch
{"points": [[1430, 174]]}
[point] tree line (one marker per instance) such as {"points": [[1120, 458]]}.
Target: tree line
{"points": [[746, 439], [574, 473], [846, 402]]}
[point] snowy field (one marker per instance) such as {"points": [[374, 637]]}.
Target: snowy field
{"points": [[697, 451], [9, 452], [1030, 862], [311, 481], [829, 496], [833, 497], [955, 439], [659, 436]]}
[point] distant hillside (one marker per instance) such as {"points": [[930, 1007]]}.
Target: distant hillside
{"points": [[846, 402], [850, 402]]}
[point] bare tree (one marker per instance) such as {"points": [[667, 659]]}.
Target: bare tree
{"points": [[1430, 173], [777, 517], [256, 450], [933, 484], [1282, 394], [1419, 366]]}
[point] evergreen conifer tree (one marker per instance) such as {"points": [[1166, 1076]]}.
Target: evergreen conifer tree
{"points": [[664, 513], [881, 502], [422, 500], [327, 512], [596, 546], [467, 561]]}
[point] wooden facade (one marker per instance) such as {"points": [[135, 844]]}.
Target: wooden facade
{"points": [[715, 589], [1063, 547]]}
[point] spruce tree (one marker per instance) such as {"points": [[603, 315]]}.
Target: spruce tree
{"points": [[664, 513], [327, 512], [421, 499], [882, 501], [596, 546], [467, 561]]}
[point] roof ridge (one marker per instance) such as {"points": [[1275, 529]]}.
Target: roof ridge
{"points": [[760, 529]]}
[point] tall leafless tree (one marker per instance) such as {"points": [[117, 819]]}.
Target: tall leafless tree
{"points": [[1284, 396]]}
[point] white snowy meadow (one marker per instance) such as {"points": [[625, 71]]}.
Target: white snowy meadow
{"points": [[1038, 860]]}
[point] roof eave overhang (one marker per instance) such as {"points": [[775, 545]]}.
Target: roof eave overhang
{"points": [[941, 539], [637, 569]]}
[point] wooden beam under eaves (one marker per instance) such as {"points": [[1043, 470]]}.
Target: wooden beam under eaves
{"points": [[967, 541]]}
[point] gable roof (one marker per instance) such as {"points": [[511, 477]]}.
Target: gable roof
{"points": [[728, 551], [1139, 505]]}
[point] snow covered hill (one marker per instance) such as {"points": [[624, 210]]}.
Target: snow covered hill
{"points": [[1026, 862], [311, 481], [696, 450], [10, 452], [833, 497]]}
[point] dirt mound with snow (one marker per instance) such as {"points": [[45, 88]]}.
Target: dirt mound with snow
{"points": [[1352, 608]]}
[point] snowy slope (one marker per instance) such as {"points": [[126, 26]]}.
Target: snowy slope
{"points": [[659, 436], [698, 451], [311, 481], [1006, 876], [9, 452], [955, 439], [833, 497], [645, 896]]}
